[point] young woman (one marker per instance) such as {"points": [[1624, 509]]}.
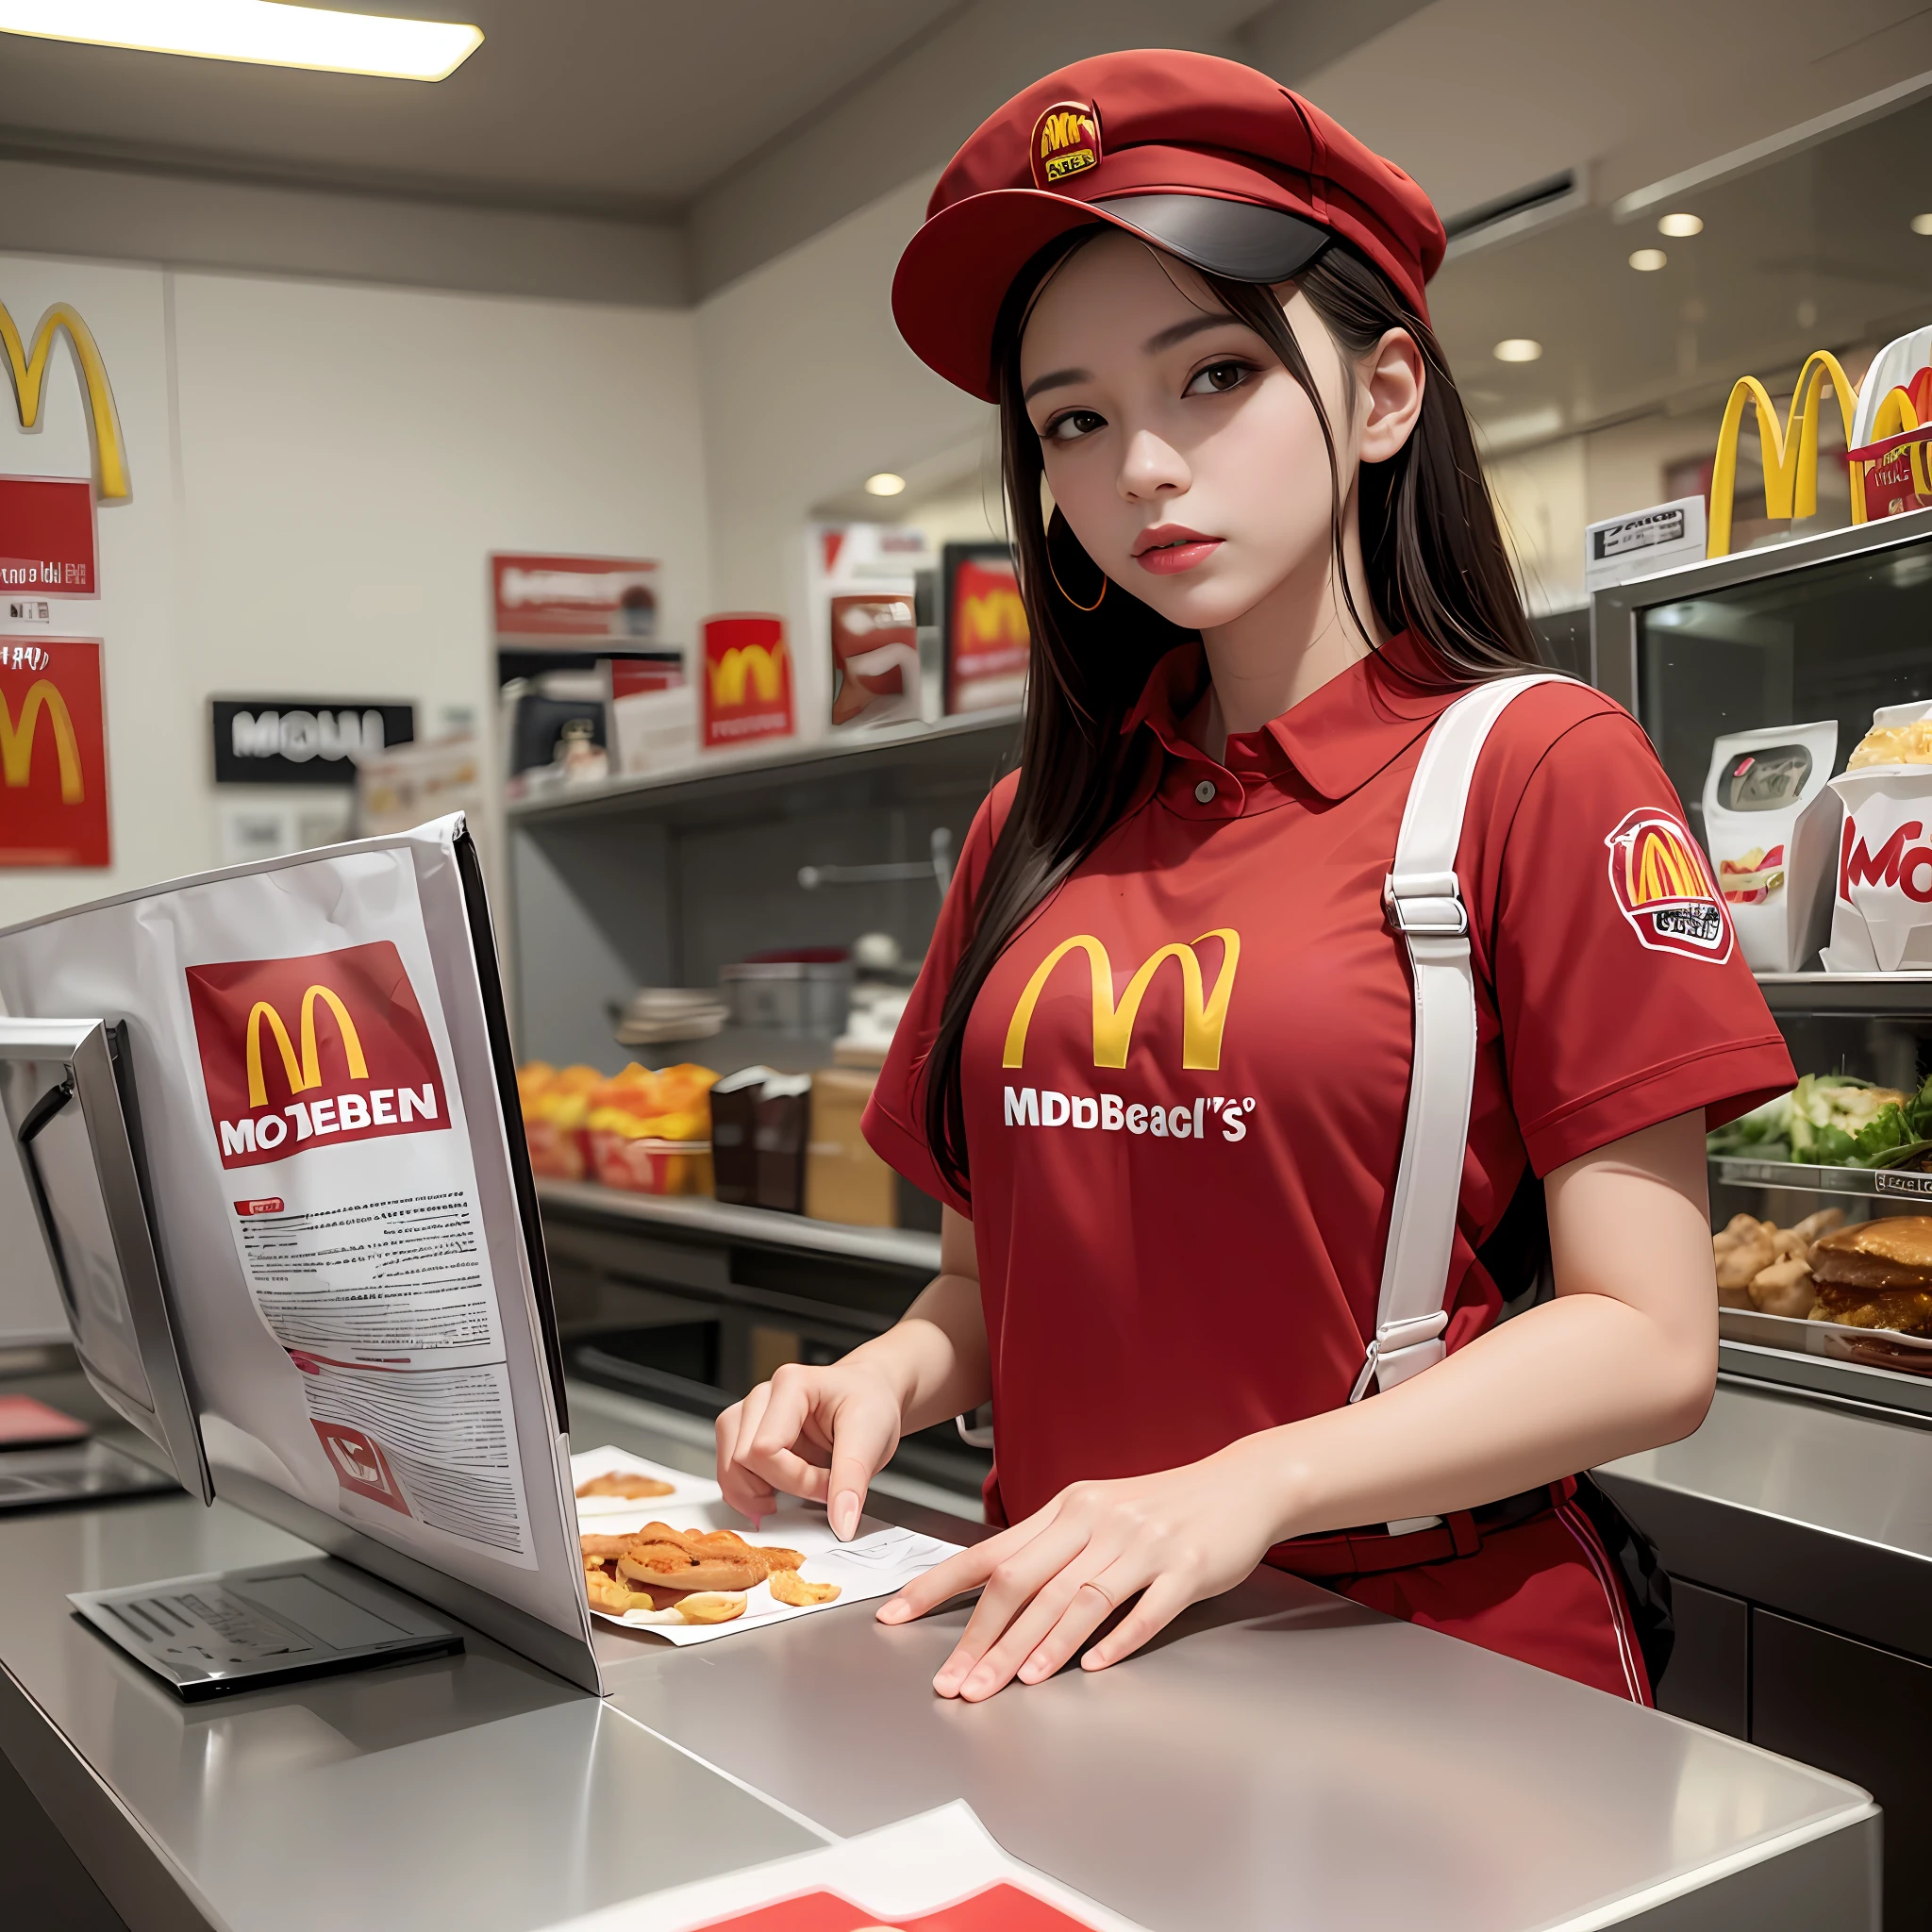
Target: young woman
{"points": [[1157, 1064]]}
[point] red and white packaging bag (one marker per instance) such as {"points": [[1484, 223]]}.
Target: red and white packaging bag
{"points": [[1881, 915], [1771, 823]]}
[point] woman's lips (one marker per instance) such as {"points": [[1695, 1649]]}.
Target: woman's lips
{"points": [[1170, 559]]}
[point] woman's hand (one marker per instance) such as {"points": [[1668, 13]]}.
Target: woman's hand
{"points": [[819, 1433], [1178, 1537]]}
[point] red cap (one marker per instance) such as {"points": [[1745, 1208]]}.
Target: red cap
{"points": [[1203, 158]]}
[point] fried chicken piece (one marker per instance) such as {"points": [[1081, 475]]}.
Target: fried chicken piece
{"points": [[676, 1568], [707, 1606], [605, 1549], [626, 1483], [788, 1587], [1785, 1289], [613, 1597]]}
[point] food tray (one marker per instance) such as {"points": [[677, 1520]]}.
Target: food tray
{"points": [[1888, 1184], [1871, 1348], [612, 1460]]}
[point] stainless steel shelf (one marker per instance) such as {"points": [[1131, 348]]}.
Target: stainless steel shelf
{"points": [[724, 771], [902, 1247], [1898, 995], [1884, 1184]]}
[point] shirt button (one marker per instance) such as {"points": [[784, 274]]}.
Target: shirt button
{"points": [[1203, 791]]}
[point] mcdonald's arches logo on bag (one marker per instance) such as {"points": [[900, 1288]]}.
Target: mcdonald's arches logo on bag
{"points": [[53, 754], [747, 680], [298, 1053]]}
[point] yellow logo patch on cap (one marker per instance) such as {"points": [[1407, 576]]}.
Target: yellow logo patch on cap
{"points": [[1066, 142]]}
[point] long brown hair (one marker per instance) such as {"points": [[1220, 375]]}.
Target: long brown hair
{"points": [[1436, 568]]}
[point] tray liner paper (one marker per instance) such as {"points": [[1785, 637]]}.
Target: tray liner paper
{"points": [[939, 1871]]}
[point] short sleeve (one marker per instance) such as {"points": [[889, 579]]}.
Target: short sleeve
{"points": [[895, 1122], [1624, 997]]}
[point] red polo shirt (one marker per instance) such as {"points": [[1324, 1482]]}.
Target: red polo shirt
{"points": [[1185, 1081]]}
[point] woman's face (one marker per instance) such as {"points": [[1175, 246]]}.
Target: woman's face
{"points": [[1185, 457]]}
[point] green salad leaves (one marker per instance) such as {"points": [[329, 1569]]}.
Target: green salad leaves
{"points": [[1833, 1120]]}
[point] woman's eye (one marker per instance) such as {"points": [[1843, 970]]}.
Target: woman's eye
{"points": [[1074, 424], [1217, 378]]}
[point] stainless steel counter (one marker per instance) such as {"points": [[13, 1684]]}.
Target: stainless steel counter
{"points": [[1821, 1509], [1282, 1760]]}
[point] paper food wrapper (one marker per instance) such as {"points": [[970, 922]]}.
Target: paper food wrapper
{"points": [[879, 1560], [612, 1460], [1771, 821], [939, 1871], [1881, 917]]}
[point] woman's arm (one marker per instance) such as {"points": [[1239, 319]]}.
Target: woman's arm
{"points": [[1624, 1357], [823, 1433]]}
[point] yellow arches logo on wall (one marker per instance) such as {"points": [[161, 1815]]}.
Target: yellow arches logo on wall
{"points": [[758, 667], [28, 367], [1203, 1016], [17, 740]]}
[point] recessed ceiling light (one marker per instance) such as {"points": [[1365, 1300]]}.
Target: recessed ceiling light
{"points": [[1922, 224], [260, 31], [1646, 262], [1680, 224], [1517, 349], [885, 484]]}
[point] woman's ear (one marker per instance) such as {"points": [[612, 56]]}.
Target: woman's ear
{"points": [[1394, 376]]}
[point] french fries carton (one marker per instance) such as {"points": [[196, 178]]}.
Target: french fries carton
{"points": [[1881, 916]]}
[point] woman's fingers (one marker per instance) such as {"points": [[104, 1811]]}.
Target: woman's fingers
{"points": [[767, 1447], [746, 1492], [1067, 1597], [945, 1581], [863, 1437], [1163, 1601]]}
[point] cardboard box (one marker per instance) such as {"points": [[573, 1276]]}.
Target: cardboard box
{"points": [[844, 1180]]}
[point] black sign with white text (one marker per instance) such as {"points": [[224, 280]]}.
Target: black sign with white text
{"points": [[302, 740]]}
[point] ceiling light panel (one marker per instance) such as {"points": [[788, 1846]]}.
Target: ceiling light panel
{"points": [[1681, 225], [1518, 349], [885, 484], [1646, 262], [258, 31]]}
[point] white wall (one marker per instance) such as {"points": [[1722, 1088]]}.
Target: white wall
{"points": [[320, 472]]}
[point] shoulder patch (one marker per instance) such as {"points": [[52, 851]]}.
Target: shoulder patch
{"points": [[1664, 889]]}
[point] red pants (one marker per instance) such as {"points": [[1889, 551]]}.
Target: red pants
{"points": [[1544, 1591]]}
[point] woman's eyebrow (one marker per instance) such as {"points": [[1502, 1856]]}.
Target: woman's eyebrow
{"points": [[1055, 378], [1181, 331]]}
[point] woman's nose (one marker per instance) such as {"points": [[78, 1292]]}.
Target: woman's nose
{"points": [[1151, 468]]}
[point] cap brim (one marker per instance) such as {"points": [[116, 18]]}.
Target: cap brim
{"points": [[953, 276]]}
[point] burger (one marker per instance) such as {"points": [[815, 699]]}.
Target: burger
{"points": [[1876, 1275]]}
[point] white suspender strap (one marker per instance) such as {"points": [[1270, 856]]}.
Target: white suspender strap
{"points": [[1424, 905]]}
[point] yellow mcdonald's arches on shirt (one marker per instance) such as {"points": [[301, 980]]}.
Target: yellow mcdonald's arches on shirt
{"points": [[17, 740], [29, 369], [1662, 867], [306, 1072], [1202, 1017], [1790, 455], [762, 669]]}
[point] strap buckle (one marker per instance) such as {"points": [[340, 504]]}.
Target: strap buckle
{"points": [[1424, 905], [1395, 1339]]}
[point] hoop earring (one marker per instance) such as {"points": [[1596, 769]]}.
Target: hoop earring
{"points": [[1053, 572]]}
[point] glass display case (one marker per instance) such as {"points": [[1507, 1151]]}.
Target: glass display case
{"points": [[1737, 668]]}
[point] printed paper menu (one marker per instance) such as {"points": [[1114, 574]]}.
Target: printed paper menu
{"points": [[361, 1236]]}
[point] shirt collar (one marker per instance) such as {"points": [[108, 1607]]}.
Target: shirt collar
{"points": [[1336, 738]]}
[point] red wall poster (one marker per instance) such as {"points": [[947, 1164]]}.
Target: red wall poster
{"points": [[53, 752], [47, 536]]}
